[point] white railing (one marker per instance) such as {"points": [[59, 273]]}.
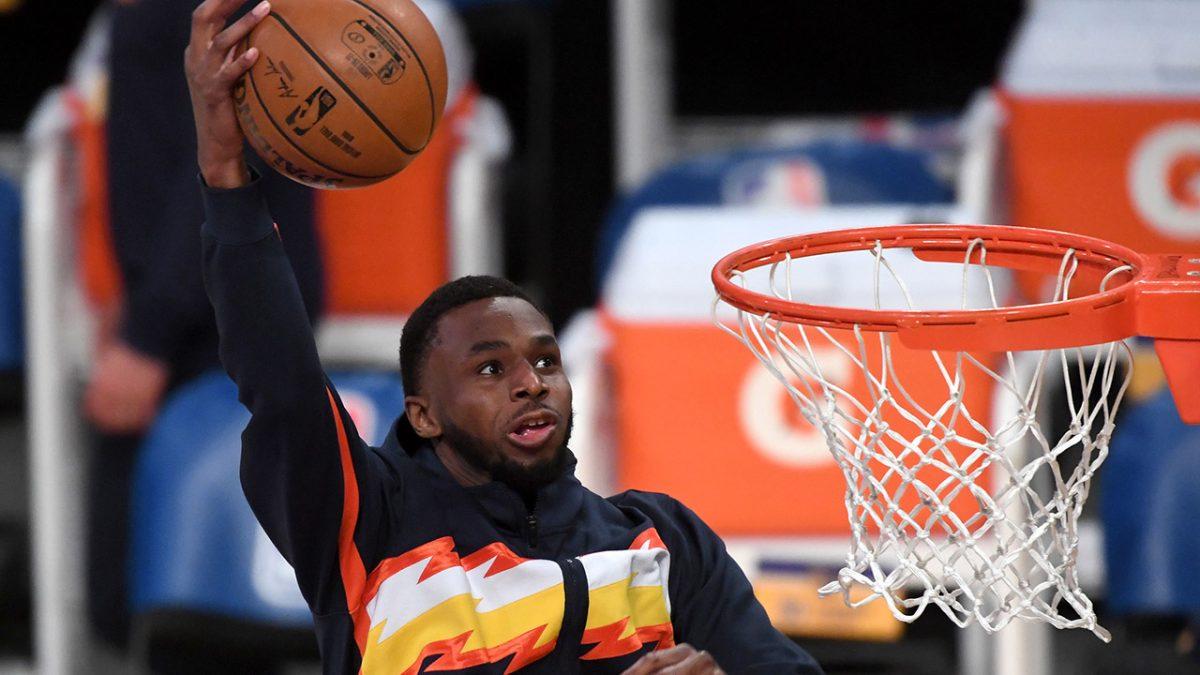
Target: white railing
{"points": [[641, 88], [55, 444]]}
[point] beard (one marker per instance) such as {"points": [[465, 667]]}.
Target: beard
{"points": [[487, 457]]}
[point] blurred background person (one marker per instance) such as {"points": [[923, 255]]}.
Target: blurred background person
{"points": [[160, 331]]}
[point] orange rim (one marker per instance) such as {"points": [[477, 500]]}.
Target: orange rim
{"points": [[1116, 313]]}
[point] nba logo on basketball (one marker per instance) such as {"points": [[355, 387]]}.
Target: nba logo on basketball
{"points": [[306, 115]]}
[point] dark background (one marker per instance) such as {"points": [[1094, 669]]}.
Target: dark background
{"points": [[775, 57], [37, 39], [549, 64]]}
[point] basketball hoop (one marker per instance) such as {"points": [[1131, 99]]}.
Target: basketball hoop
{"points": [[977, 510]]}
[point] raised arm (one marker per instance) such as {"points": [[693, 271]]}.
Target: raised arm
{"points": [[312, 483]]}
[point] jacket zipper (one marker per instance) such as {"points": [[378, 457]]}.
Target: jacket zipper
{"points": [[575, 611], [531, 529]]}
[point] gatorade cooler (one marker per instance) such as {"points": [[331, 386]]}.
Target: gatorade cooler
{"points": [[1102, 99]]}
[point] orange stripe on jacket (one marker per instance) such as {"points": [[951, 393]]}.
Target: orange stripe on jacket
{"points": [[354, 575]]}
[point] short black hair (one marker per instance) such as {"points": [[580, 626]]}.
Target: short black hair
{"points": [[420, 330]]}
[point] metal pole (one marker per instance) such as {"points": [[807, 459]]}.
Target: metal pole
{"points": [[642, 88], [55, 471], [1022, 647], [974, 651]]}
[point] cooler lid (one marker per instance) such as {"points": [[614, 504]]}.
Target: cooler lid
{"points": [[661, 271], [1108, 48]]}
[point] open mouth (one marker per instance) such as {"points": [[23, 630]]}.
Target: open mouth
{"points": [[532, 431]]}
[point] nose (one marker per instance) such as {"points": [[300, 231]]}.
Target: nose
{"points": [[528, 384]]}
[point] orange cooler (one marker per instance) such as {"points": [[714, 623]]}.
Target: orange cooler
{"points": [[697, 416], [1102, 101]]}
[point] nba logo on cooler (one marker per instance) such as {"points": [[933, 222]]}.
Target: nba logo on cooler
{"points": [[787, 182]]}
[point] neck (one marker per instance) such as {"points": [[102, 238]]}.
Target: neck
{"points": [[462, 471], [467, 475]]}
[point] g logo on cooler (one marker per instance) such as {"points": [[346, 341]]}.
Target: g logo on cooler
{"points": [[770, 419], [1164, 179]]}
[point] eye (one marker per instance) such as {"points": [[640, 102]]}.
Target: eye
{"points": [[490, 368], [546, 362]]}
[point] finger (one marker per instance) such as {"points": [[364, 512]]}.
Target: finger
{"points": [[637, 669], [240, 28], [696, 664], [699, 663], [670, 656], [655, 661], [209, 18], [236, 67]]}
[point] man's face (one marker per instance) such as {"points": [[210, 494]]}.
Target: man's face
{"points": [[495, 385]]}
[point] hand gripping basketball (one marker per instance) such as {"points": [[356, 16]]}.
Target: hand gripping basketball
{"points": [[345, 93], [213, 65]]}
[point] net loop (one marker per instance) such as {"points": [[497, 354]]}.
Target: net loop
{"points": [[972, 511]]}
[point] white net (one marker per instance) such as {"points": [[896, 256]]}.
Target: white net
{"points": [[958, 494]]}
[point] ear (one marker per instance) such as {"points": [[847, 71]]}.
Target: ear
{"points": [[421, 417]]}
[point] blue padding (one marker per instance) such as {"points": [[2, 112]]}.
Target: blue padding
{"points": [[11, 323], [196, 544], [853, 172], [1150, 506]]}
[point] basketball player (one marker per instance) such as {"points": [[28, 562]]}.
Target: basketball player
{"points": [[464, 543]]}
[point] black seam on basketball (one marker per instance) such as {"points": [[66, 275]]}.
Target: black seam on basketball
{"points": [[267, 114], [424, 73], [329, 71]]}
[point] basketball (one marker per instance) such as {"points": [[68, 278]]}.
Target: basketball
{"points": [[345, 93]]}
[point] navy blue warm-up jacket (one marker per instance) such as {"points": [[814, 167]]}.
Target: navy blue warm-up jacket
{"points": [[404, 569]]}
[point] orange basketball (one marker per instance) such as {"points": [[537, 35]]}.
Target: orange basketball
{"points": [[345, 92]]}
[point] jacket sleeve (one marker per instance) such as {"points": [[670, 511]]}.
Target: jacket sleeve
{"points": [[317, 488], [714, 607]]}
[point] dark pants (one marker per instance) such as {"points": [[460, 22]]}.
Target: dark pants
{"points": [[109, 490]]}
